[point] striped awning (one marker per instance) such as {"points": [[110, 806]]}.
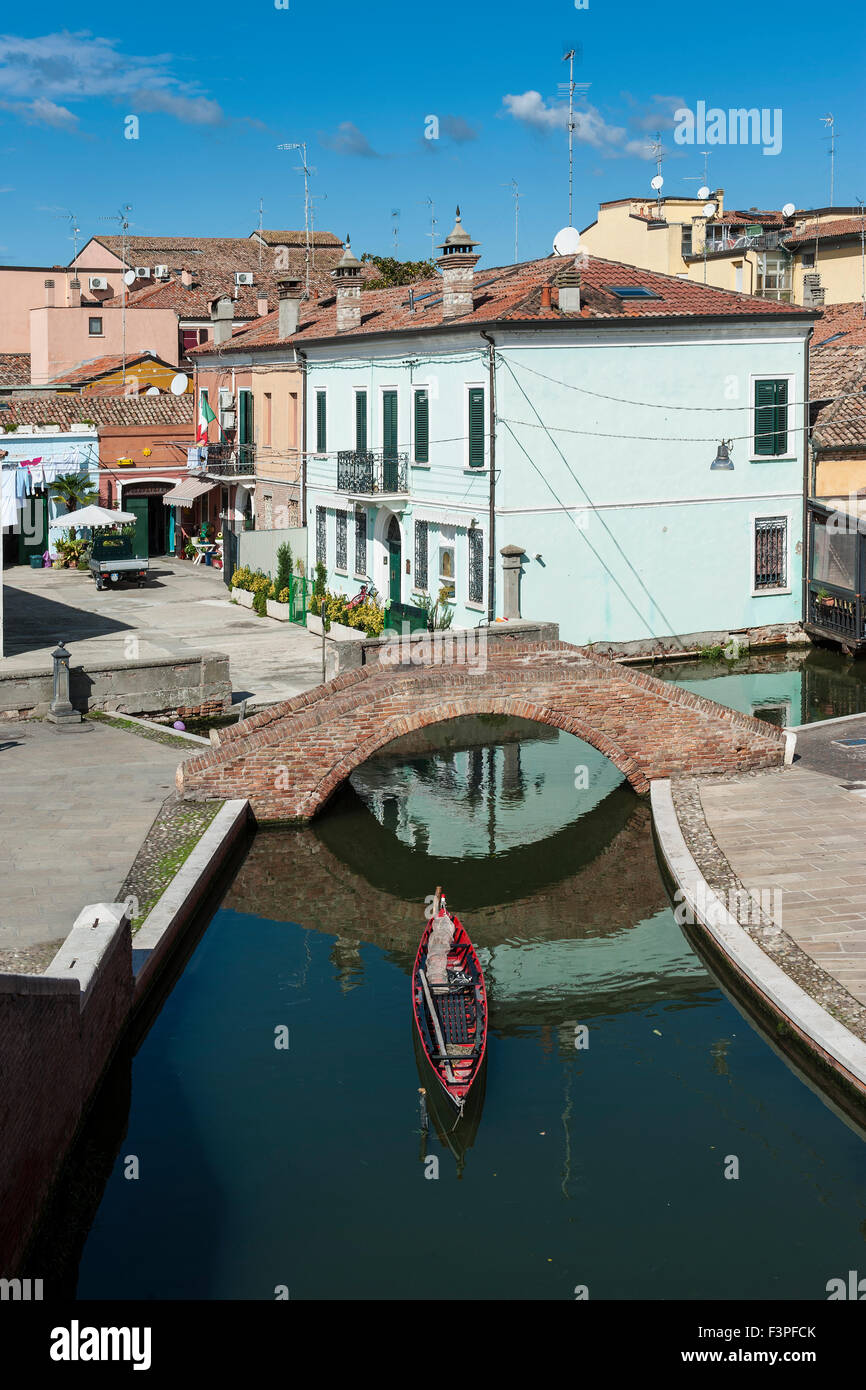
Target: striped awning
{"points": [[184, 493]]}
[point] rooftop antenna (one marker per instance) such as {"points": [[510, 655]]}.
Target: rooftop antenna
{"points": [[314, 198], [658, 153], [432, 233], [261, 211], [122, 218], [708, 210], [693, 178], [862, 256], [829, 121], [395, 222], [307, 171], [512, 184]]}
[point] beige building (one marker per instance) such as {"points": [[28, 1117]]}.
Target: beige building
{"points": [[810, 258]]}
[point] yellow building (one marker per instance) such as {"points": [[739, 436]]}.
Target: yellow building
{"points": [[810, 257]]}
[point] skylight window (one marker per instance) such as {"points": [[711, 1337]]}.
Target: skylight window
{"points": [[842, 334], [631, 292]]}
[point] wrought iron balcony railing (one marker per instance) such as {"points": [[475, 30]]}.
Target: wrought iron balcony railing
{"points": [[231, 460], [371, 471]]}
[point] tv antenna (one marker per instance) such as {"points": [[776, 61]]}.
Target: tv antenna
{"points": [[708, 210], [307, 171], [704, 182], [121, 217], [658, 153], [395, 223], [261, 213], [433, 222], [512, 184], [829, 121], [570, 87], [314, 198]]}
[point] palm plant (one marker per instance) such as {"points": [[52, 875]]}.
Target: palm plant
{"points": [[74, 490]]}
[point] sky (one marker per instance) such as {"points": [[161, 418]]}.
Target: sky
{"points": [[403, 104]]}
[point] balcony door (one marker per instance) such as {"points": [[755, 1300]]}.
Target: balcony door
{"points": [[389, 441], [245, 427]]}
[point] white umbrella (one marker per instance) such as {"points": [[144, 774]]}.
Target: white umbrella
{"points": [[93, 516]]}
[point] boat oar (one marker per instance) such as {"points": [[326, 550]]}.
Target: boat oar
{"points": [[436, 1026]]}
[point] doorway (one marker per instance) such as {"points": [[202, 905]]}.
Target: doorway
{"points": [[395, 553]]}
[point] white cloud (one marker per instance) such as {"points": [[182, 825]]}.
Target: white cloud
{"points": [[590, 127], [42, 112]]}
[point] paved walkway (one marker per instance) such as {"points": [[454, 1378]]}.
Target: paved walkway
{"points": [[184, 608], [74, 811]]}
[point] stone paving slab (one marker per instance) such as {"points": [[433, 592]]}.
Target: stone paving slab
{"points": [[76, 808], [819, 874]]}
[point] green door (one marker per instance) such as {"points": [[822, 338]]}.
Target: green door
{"points": [[33, 536], [139, 506], [395, 560]]}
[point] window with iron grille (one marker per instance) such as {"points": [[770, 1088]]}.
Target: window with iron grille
{"points": [[476, 565], [771, 552], [342, 533], [360, 542], [321, 536], [420, 554]]}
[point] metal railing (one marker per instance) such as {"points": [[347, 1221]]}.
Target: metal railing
{"points": [[231, 460], [839, 612], [371, 471]]}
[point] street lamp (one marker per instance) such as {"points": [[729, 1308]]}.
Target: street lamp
{"points": [[723, 459]]}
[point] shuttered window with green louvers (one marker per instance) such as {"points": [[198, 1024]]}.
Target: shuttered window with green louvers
{"points": [[422, 427], [321, 422], [771, 418], [389, 424], [361, 421], [476, 427]]}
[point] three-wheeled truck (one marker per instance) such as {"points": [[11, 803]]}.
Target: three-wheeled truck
{"points": [[112, 560]]}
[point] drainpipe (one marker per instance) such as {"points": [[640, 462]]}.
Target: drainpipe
{"points": [[808, 481], [491, 523], [302, 508]]}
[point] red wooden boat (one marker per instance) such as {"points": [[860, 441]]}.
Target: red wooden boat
{"points": [[450, 1003]]}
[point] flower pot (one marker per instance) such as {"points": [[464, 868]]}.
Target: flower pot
{"points": [[281, 611], [244, 597]]}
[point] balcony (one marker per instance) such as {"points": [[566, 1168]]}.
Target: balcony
{"points": [[231, 460], [368, 473]]}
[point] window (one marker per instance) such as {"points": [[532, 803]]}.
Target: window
{"points": [[771, 553], [686, 242], [321, 536], [476, 427], [202, 335], [773, 280], [268, 418], [361, 543], [422, 426], [631, 292], [94, 327], [476, 564], [771, 418], [421, 555], [342, 522], [446, 569], [321, 422], [361, 424], [188, 340], [808, 260], [245, 417], [389, 425]]}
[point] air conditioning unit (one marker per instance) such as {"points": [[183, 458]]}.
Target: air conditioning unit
{"points": [[97, 282], [227, 419], [161, 272], [226, 399], [142, 272], [243, 277]]}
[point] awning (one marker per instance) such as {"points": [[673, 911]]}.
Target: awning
{"points": [[184, 493]]}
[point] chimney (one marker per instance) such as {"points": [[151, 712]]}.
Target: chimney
{"points": [[346, 276], [75, 293], [261, 304], [186, 278], [290, 292], [457, 263], [49, 294], [569, 290], [221, 317], [545, 297]]}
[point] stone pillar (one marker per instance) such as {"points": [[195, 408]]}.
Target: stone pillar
{"points": [[511, 568], [61, 713]]}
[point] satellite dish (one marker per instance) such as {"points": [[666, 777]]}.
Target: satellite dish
{"points": [[657, 182], [567, 241], [130, 277], [152, 391], [179, 384], [703, 191], [708, 209], [788, 210]]}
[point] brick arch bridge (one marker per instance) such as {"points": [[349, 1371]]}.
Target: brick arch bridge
{"points": [[289, 759]]}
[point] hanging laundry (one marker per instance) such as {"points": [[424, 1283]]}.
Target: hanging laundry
{"points": [[8, 497]]}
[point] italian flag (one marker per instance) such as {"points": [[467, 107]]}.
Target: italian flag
{"points": [[205, 415]]}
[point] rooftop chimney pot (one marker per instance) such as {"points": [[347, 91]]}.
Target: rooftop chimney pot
{"points": [[457, 263]]}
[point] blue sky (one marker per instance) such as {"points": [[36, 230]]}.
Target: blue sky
{"points": [[216, 88]]}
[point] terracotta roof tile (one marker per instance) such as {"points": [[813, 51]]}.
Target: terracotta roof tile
{"points": [[823, 231], [101, 366], [103, 410], [14, 368]]}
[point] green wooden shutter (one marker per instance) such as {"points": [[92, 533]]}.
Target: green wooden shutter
{"points": [[245, 417], [422, 427], [321, 422], [771, 417], [361, 421], [389, 424], [476, 427]]}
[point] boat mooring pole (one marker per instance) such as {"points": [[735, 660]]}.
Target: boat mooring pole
{"points": [[422, 1101]]}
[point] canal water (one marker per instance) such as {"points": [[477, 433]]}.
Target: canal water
{"points": [[638, 1137]]}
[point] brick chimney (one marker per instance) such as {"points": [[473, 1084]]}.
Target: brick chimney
{"points": [[261, 304], [346, 276], [290, 292], [457, 263], [75, 293], [186, 278], [568, 281], [221, 312]]}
